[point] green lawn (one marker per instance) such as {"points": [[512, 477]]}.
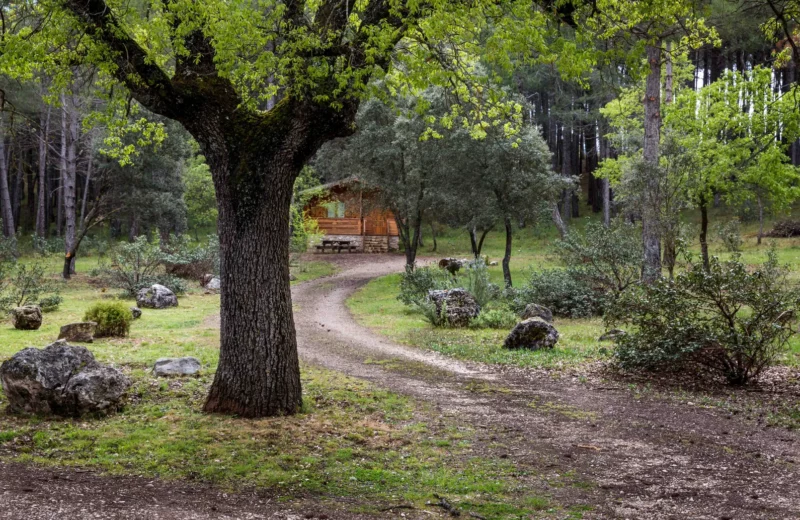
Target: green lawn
{"points": [[352, 438], [376, 305]]}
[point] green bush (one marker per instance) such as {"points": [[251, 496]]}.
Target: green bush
{"points": [[113, 319], [184, 260], [494, 319], [607, 259], [561, 292], [50, 303], [475, 279], [415, 284], [27, 284], [726, 321]]}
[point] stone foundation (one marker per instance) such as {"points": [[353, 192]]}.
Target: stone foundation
{"points": [[364, 244]]}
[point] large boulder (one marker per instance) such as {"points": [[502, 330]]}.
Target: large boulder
{"points": [[156, 297], [185, 366], [28, 317], [533, 310], [81, 332], [458, 306], [215, 284], [532, 334], [61, 379]]}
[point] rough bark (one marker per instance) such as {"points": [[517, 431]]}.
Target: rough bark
{"points": [[69, 140], [507, 253], [7, 213], [254, 158], [651, 268], [433, 237]]}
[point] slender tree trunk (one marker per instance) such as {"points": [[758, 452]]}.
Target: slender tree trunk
{"points": [[507, 255], [473, 242], [63, 173], [89, 168], [760, 218], [668, 81], [704, 233], [433, 237], [69, 127], [562, 228], [651, 269], [606, 202], [5, 196], [17, 190]]}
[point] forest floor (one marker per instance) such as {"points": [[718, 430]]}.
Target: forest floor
{"points": [[401, 425]]}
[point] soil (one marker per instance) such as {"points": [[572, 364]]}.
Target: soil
{"points": [[580, 440]]}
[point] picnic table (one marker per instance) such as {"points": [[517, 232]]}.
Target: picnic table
{"points": [[338, 245]]}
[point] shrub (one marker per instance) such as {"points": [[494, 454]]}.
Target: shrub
{"points": [[47, 246], [184, 260], [113, 319], [415, 284], [50, 303], [725, 321], [133, 265], [434, 316], [494, 319], [730, 234], [607, 259], [476, 281], [561, 292], [27, 284]]}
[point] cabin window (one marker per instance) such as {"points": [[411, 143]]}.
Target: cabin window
{"points": [[335, 209]]}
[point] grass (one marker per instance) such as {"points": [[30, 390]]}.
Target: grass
{"points": [[351, 439], [375, 305]]}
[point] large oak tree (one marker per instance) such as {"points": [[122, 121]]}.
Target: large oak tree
{"points": [[261, 85]]}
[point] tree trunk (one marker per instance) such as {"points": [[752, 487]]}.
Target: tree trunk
{"points": [[704, 233], [433, 237], [5, 196], [760, 219], [507, 255], [651, 268], [562, 228], [89, 168], [606, 202], [69, 128]]}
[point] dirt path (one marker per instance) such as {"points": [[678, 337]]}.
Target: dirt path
{"points": [[631, 457], [627, 457]]}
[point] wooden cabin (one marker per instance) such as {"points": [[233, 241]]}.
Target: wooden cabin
{"points": [[347, 212]]}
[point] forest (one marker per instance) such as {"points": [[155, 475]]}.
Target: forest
{"points": [[389, 258]]}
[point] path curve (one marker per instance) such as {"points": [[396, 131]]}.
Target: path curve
{"points": [[643, 458]]}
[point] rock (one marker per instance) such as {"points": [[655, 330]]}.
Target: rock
{"points": [[459, 305], [452, 265], [532, 334], [533, 310], [206, 278], [61, 379], [81, 332], [156, 297], [292, 278], [28, 317], [612, 335], [185, 366], [493, 263], [215, 284], [136, 312]]}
